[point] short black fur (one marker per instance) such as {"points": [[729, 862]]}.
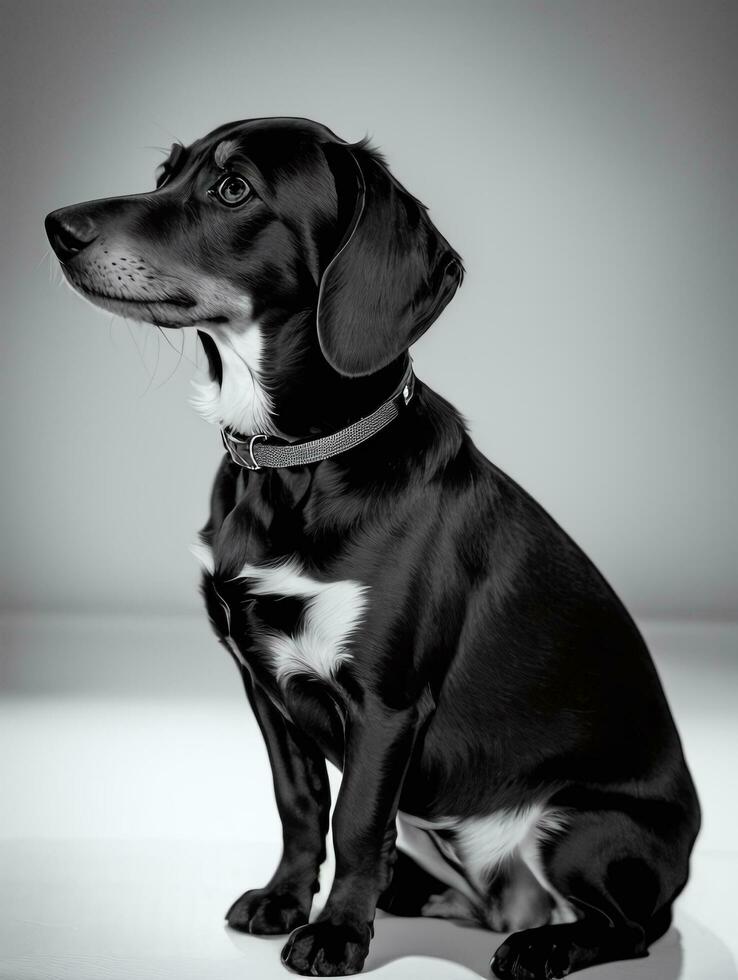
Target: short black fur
{"points": [[494, 668]]}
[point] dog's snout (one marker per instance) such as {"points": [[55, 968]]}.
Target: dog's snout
{"points": [[69, 234]]}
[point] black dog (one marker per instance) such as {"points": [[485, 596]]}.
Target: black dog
{"points": [[394, 602]]}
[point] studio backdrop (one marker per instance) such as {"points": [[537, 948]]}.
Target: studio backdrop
{"points": [[580, 156]]}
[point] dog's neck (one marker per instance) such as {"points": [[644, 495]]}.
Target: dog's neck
{"points": [[272, 379], [236, 396]]}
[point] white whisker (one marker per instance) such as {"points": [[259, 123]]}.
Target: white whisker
{"points": [[176, 366], [156, 362], [43, 258]]}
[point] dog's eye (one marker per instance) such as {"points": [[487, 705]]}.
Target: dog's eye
{"points": [[232, 190]]}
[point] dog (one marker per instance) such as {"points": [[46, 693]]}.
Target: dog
{"points": [[393, 602]]}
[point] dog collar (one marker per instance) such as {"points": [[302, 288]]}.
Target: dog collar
{"points": [[258, 451]]}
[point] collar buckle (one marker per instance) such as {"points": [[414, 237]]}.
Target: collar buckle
{"points": [[232, 448], [409, 390]]}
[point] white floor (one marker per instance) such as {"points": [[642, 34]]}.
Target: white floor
{"points": [[136, 805]]}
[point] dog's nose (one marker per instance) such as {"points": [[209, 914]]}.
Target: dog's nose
{"points": [[69, 234]]}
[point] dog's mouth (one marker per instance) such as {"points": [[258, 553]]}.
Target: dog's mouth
{"points": [[166, 311], [181, 301], [215, 364], [177, 299]]}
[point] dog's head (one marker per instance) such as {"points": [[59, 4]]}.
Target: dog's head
{"points": [[286, 247]]}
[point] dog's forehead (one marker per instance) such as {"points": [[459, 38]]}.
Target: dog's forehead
{"points": [[277, 135]]}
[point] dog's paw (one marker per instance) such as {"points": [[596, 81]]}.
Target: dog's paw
{"points": [[327, 949], [533, 954], [263, 912]]}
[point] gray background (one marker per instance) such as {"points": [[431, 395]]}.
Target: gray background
{"points": [[581, 156]]}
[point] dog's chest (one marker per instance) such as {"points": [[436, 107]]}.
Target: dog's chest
{"points": [[308, 624], [293, 623]]}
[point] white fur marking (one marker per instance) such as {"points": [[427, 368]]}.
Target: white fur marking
{"points": [[549, 823], [483, 843], [241, 400], [333, 612], [204, 554]]}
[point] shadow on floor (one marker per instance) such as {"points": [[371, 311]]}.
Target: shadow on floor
{"points": [[472, 948]]}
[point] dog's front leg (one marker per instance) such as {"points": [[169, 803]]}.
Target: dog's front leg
{"points": [[379, 743], [303, 800]]}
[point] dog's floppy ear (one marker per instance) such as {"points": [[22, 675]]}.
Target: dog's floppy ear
{"points": [[391, 275]]}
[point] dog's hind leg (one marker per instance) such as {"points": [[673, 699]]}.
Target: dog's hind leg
{"points": [[619, 876], [513, 900], [413, 891]]}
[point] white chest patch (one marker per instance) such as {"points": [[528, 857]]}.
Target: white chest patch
{"points": [[332, 613]]}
